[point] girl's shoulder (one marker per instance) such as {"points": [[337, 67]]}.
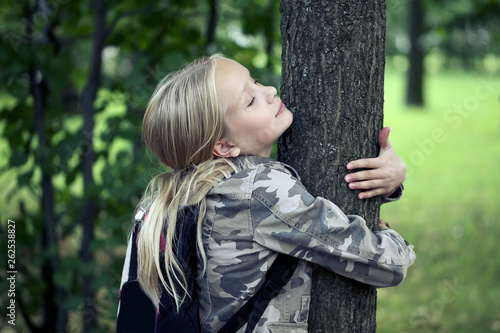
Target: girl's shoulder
{"points": [[256, 172], [258, 164]]}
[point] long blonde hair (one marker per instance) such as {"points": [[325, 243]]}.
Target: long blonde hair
{"points": [[182, 123]]}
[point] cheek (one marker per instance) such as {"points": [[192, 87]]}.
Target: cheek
{"points": [[264, 136]]}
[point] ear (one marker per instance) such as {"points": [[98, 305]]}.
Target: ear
{"points": [[224, 148]]}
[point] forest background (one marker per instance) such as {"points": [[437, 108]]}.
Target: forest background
{"points": [[76, 76]]}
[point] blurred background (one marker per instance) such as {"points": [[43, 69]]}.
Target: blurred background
{"points": [[74, 82]]}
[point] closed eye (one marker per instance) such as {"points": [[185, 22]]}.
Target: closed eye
{"points": [[255, 81]]}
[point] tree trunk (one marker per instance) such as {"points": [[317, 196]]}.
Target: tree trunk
{"points": [[89, 209], [55, 315], [415, 77], [212, 24], [270, 32], [332, 80]]}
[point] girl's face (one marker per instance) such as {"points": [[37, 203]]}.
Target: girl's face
{"points": [[256, 117]]}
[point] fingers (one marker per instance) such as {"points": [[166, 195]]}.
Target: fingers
{"points": [[370, 174], [370, 194], [371, 190], [383, 137], [380, 175], [374, 182], [366, 163], [368, 184]]}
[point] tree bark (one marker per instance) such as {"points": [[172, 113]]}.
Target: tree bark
{"points": [[415, 77], [332, 80]]}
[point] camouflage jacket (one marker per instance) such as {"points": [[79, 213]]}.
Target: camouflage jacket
{"points": [[264, 209]]}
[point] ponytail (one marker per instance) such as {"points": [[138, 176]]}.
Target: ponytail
{"points": [[165, 195]]}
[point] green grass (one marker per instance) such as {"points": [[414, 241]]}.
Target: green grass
{"points": [[451, 206]]}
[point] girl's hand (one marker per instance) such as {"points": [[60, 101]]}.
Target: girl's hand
{"points": [[387, 171]]}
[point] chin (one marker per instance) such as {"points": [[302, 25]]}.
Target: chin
{"points": [[289, 118]]}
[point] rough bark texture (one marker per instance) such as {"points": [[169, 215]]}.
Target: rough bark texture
{"points": [[332, 81]]}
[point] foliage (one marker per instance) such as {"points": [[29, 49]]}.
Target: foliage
{"points": [[463, 32], [47, 47]]}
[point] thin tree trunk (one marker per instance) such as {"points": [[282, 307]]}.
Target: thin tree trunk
{"points": [[55, 316], [89, 210], [269, 34], [212, 24], [332, 80], [415, 77]]}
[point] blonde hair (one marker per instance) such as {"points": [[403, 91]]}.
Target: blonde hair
{"points": [[182, 123]]}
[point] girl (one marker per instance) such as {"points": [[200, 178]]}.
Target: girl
{"points": [[214, 126]]}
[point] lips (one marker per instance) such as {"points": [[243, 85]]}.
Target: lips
{"points": [[282, 106]]}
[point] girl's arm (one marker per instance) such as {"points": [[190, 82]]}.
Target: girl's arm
{"points": [[287, 219], [385, 173]]}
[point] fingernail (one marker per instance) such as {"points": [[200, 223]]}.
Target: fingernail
{"points": [[349, 166], [347, 178], [351, 185]]}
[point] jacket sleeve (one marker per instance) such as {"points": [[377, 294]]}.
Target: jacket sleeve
{"points": [[287, 219], [398, 193]]}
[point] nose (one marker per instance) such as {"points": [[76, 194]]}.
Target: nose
{"points": [[271, 93]]}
